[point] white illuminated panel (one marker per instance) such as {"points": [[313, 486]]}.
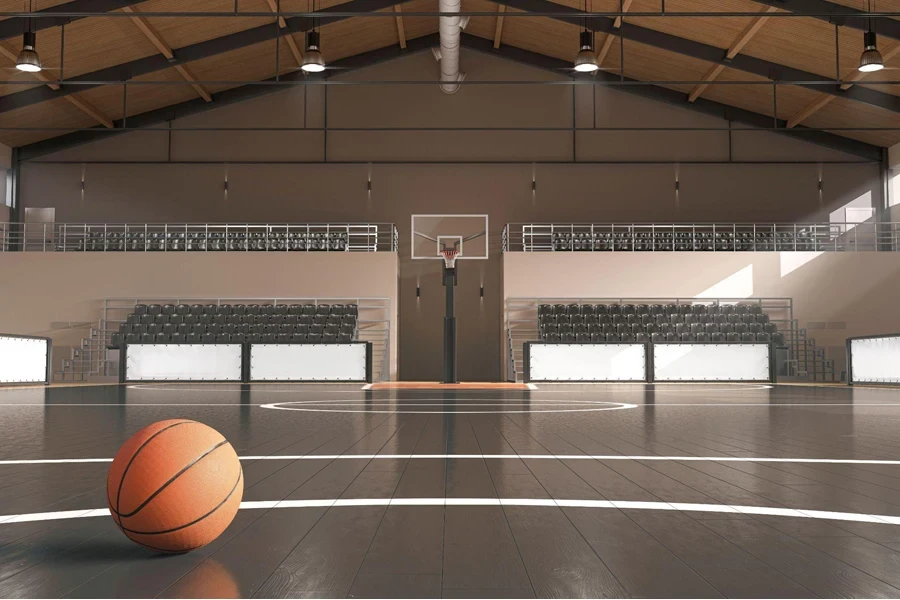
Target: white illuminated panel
{"points": [[711, 362], [183, 362], [587, 362], [875, 360], [23, 360], [308, 362]]}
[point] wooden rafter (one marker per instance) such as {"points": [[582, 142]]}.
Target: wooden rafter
{"points": [[401, 30], [498, 30], [825, 99], [289, 38], [166, 50], [610, 38], [735, 49], [74, 99]]}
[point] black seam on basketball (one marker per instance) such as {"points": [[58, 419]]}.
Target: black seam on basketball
{"points": [[205, 453], [128, 466], [195, 521]]}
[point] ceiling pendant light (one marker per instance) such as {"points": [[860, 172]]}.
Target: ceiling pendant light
{"points": [[28, 60], [313, 61], [586, 59], [871, 59]]}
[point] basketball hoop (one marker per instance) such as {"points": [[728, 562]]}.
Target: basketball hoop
{"points": [[449, 255]]}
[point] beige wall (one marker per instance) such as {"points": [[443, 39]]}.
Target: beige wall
{"points": [[642, 188], [835, 295], [61, 294], [178, 191]]}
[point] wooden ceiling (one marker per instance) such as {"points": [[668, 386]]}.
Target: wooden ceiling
{"points": [[97, 43]]}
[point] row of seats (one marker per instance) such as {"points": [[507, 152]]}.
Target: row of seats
{"points": [[650, 309], [679, 328], [218, 323], [599, 338], [201, 241], [245, 328], [632, 319], [246, 309], [235, 338], [207, 319], [661, 241]]}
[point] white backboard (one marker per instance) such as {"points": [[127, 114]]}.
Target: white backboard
{"points": [[432, 233]]}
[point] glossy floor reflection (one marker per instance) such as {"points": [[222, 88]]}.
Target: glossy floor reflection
{"points": [[694, 524]]}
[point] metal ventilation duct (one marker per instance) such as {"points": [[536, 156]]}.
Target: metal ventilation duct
{"points": [[448, 55]]}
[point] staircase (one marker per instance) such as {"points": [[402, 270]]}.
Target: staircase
{"points": [[90, 361], [806, 361]]}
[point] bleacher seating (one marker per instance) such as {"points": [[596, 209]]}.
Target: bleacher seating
{"points": [[226, 323], [658, 323], [203, 241], [686, 241]]}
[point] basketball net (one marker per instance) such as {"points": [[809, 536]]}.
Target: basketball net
{"points": [[449, 255]]}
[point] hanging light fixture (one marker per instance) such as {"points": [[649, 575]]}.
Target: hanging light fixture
{"points": [[586, 59], [871, 59], [313, 61], [28, 59]]}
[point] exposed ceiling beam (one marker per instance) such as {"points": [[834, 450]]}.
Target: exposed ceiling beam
{"points": [[289, 38], [156, 39], [374, 57], [824, 99], [10, 28], [90, 110], [200, 50], [401, 30], [886, 27], [675, 98], [610, 38], [713, 54], [745, 36], [498, 28], [223, 98], [74, 99]]}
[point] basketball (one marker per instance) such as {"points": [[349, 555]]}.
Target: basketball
{"points": [[174, 486]]}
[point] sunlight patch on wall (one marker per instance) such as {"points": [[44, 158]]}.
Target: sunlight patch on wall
{"points": [[736, 285], [894, 184], [791, 261], [854, 212]]}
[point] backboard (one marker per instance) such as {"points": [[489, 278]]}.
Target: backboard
{"points": [[433, 233]]}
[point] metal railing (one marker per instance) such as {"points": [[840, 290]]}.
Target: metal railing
{"points": [[804, 359], [94, 358], [701, 237], [199, 237]]}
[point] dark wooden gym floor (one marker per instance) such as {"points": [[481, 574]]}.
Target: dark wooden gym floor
{"points": [[424, 546]]}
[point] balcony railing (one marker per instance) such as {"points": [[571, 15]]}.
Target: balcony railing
{"points": [[701, 237], [203, 237]]}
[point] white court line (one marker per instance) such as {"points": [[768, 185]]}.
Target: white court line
{"points": [[399, 409], [529, 502], [595, 387], [602, 457], [403, 401]]}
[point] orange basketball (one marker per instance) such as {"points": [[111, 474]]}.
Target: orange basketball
{"points": [[175, 486]]}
